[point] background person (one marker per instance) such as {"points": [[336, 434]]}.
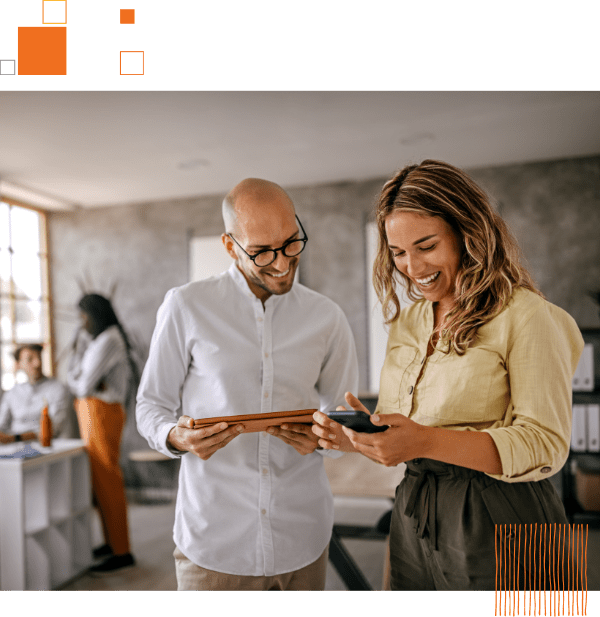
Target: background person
{"points": [[100, 375], [254, 510], [476, 383], [21, 407]]}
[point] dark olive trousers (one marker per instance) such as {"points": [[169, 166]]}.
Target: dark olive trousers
{"points": [[443, 533]]}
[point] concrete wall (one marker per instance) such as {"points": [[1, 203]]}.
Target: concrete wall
{"points": [[553, 208]]}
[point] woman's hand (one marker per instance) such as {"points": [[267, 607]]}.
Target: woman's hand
{"points": [[401, 442], [331, 436]]}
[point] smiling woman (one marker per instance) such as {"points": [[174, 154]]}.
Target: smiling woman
{"points": [[475, 386], [24, 289]]}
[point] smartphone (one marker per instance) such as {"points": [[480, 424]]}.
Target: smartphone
{"points": [[356, 420]]}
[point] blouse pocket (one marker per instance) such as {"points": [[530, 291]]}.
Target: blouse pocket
{"points": [[397, 362], [465, 389]]}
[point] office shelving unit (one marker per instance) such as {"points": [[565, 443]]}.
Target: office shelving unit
{"points": [[575, 513], [45, 517]]}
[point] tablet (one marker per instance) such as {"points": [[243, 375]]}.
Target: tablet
{"points": [[254, 423]]}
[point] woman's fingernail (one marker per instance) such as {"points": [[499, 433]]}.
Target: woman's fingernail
{"points": [[332, 436], [376, 418], [335, 446], [284, 426]]}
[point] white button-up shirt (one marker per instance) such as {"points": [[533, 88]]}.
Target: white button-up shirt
{"points": [[102, 360], [257, 506]]}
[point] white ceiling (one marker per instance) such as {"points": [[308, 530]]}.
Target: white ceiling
{"points": [[105, 148]]}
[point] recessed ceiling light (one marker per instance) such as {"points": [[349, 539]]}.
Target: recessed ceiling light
{"points": [[417, 139], [192, 164]]}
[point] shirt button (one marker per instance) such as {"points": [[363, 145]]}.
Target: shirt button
{"points": [[546, 469], [266, 395], [410, 390], [263, 511], [265, 471], [259, 319], [266, 355]]}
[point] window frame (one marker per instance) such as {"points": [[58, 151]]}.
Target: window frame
{"points": [[45, 299]]}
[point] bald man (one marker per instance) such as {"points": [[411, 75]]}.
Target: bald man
{"points": [[254, 510]]}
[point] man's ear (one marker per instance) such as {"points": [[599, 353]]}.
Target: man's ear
{"points": [[229, 246]]}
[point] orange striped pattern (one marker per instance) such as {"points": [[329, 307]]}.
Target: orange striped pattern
{"points": [[542, 563]]}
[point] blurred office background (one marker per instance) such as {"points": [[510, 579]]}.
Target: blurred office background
{"points": [[125, 186]]}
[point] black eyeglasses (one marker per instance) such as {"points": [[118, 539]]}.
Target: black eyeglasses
{"points": [[268, 256]]}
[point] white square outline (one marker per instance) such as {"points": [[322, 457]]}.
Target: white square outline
{"points": [[55, 12], [129, 61], [14, 63]]}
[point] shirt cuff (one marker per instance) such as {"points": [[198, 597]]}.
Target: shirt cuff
{"points": [[509, 459], [168, 449]]}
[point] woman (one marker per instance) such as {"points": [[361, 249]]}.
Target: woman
{"points": [[99, 375], [475, 387]]}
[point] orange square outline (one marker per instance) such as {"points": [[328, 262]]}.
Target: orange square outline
{"points": [[54, 22], [130, 51], [130, 12]]}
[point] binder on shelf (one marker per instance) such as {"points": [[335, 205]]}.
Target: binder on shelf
{"points": [[593, 428], [583, 379], [578, 433]]}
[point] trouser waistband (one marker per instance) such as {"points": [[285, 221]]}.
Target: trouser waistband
{"points": [[422, 500]]}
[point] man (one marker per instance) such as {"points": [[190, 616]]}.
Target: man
{"points": [[21, 406], [254, 510]]}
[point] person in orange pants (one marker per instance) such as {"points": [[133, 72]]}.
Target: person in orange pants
{"points": [[100, 374]]}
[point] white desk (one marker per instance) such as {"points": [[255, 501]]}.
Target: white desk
{"points": [[45, 516]]}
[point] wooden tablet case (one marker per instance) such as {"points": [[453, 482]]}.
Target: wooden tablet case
{"points": [[253, 423]]}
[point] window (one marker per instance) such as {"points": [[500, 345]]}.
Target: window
{"points": [[378, 331], [24, 287]]}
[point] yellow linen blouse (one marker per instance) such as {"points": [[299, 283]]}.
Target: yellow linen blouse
{"points": [[514, 382]]}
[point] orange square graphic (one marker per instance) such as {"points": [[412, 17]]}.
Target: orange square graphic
{"points": [[42, 51], [127, 16], [54, 22]]}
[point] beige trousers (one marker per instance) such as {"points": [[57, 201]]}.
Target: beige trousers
{"points": [[191, 577]]}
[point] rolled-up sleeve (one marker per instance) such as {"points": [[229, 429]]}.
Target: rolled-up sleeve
{"points": [[534, 442]]}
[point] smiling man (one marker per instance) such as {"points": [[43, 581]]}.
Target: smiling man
{"points": [[254, 510]]}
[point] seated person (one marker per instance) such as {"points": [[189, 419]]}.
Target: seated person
{"points": [[21, 406]]}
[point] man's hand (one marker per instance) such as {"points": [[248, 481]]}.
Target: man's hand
{"points": [[203, 442], [5, 438], [299, 436]]}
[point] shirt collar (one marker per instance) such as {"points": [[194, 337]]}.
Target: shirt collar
{"points": [[242, 283]]}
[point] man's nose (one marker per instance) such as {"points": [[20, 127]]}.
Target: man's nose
{"points": [[281, 262]]}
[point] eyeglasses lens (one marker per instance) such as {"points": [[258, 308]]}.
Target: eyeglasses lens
{"points": [[290, 250]]}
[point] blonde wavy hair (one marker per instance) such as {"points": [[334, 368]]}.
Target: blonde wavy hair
{"points": [[490, 267]]}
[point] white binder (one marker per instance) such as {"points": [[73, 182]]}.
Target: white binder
{"points": [[583, 379], [578, 434], [593, 428]]}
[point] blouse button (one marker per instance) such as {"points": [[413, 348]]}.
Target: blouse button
{"points": [[546, 469], [410, 390]]}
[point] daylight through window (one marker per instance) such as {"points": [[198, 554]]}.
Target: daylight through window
{"points": [[24, 288]]}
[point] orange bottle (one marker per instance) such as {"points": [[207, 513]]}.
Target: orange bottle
{"points": [[45, 429]]}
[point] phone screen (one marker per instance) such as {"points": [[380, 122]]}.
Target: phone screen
{"points": [[356, 420]]}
